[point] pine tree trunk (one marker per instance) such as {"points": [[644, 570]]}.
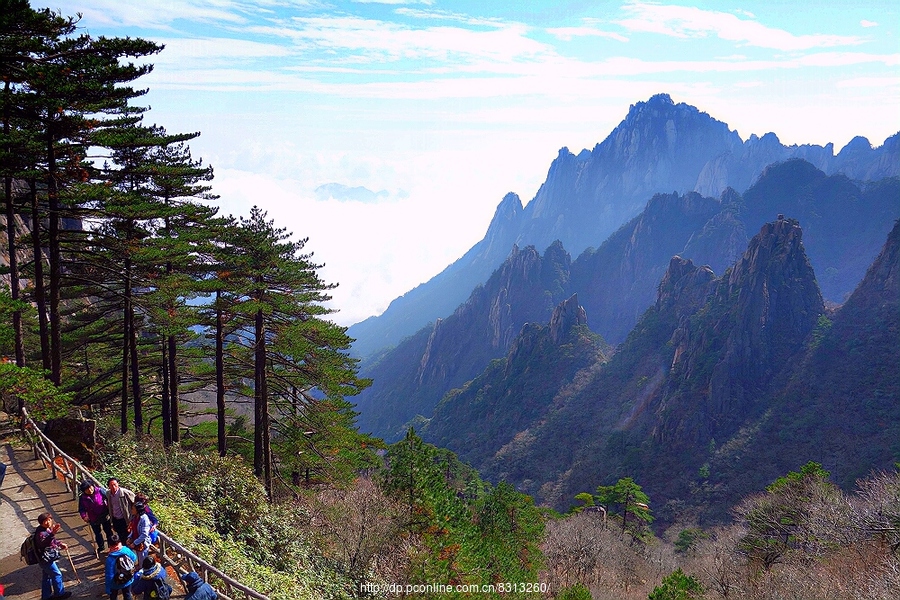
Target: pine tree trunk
{"points": [[175, 416], [259, 369], [14, 269], [55, 266], [135, 374], [220, 374], [126, 336], [166, 416], [262, 433], [40, 298], [13, 250]]}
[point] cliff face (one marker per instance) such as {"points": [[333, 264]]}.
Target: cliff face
{"points": [[758, 318], [698, 368], [840, 405], [659, 146], [410, 379], [475, 421], [617, 282]]}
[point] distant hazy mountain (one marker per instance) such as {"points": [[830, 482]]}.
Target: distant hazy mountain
{"points": [[659, 147], [844, 225]]}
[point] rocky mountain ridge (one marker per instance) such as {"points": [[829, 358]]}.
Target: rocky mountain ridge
{"points": [[618, 281], [660, 146], [743, 375]]}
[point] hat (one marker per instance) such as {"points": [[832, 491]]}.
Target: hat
{"points": [[86, 484], [139, 506], [148, 563]]}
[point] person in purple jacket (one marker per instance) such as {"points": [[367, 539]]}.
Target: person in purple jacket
{"points": [[94, 511]]}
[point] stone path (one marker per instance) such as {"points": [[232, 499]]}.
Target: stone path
{"points": [[27, 491]]}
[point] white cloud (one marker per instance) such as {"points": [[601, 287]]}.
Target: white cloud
{"points": [[866, 23], [567, 33], [368, 40], [427, 2], [116, 13], [211, 49], [551, 76], [690, 22], [880, 83]]}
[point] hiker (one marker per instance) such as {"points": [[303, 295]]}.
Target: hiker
{"points": [[154, 521], [151, 581], [94, 510], [119, 569], [141, 527], [47, 548], [119, 501], [197, 589]]}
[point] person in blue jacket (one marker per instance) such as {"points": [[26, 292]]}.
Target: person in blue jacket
{"points": [[151, 581], [197, 589], [115, 585]]}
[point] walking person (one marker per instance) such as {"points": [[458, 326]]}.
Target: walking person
{"points": [[197, 589], [119, 569], [119, 500], [94, 510], [151, 581], [48, 548]]}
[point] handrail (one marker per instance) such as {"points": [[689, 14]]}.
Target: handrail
{"points": [[170, 551]]}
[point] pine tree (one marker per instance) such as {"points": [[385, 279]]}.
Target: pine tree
{"points": [[300, 365], [24, 36], [73, 87]]}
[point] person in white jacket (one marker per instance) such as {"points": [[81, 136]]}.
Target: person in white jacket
{"points": [[141, 525]]}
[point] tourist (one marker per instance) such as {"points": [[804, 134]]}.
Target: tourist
{"points": [[197, 589], [48, 551], [119, 500], [119, 569], [94, 510], [151, 581], [140, 528]]}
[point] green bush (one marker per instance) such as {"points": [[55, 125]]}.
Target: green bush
{"points": [[574, 592], [677, 586], [216, 508]]}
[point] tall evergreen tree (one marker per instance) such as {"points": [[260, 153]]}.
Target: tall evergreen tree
{"points": [[71, 90], [299, 359], [25, 35]]}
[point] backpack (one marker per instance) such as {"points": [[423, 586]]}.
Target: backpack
{"points": [[161, 590], [123, 570], [28, 552]]}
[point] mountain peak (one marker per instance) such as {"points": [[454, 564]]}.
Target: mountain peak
{"points": [[565, 316]]}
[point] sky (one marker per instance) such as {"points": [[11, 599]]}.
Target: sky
{"points": [[387, 131]]}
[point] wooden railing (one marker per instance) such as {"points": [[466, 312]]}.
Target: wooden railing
{"points": [[170, 552]]}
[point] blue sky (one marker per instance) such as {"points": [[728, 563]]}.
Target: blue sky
{"points": [[388, 131]]}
